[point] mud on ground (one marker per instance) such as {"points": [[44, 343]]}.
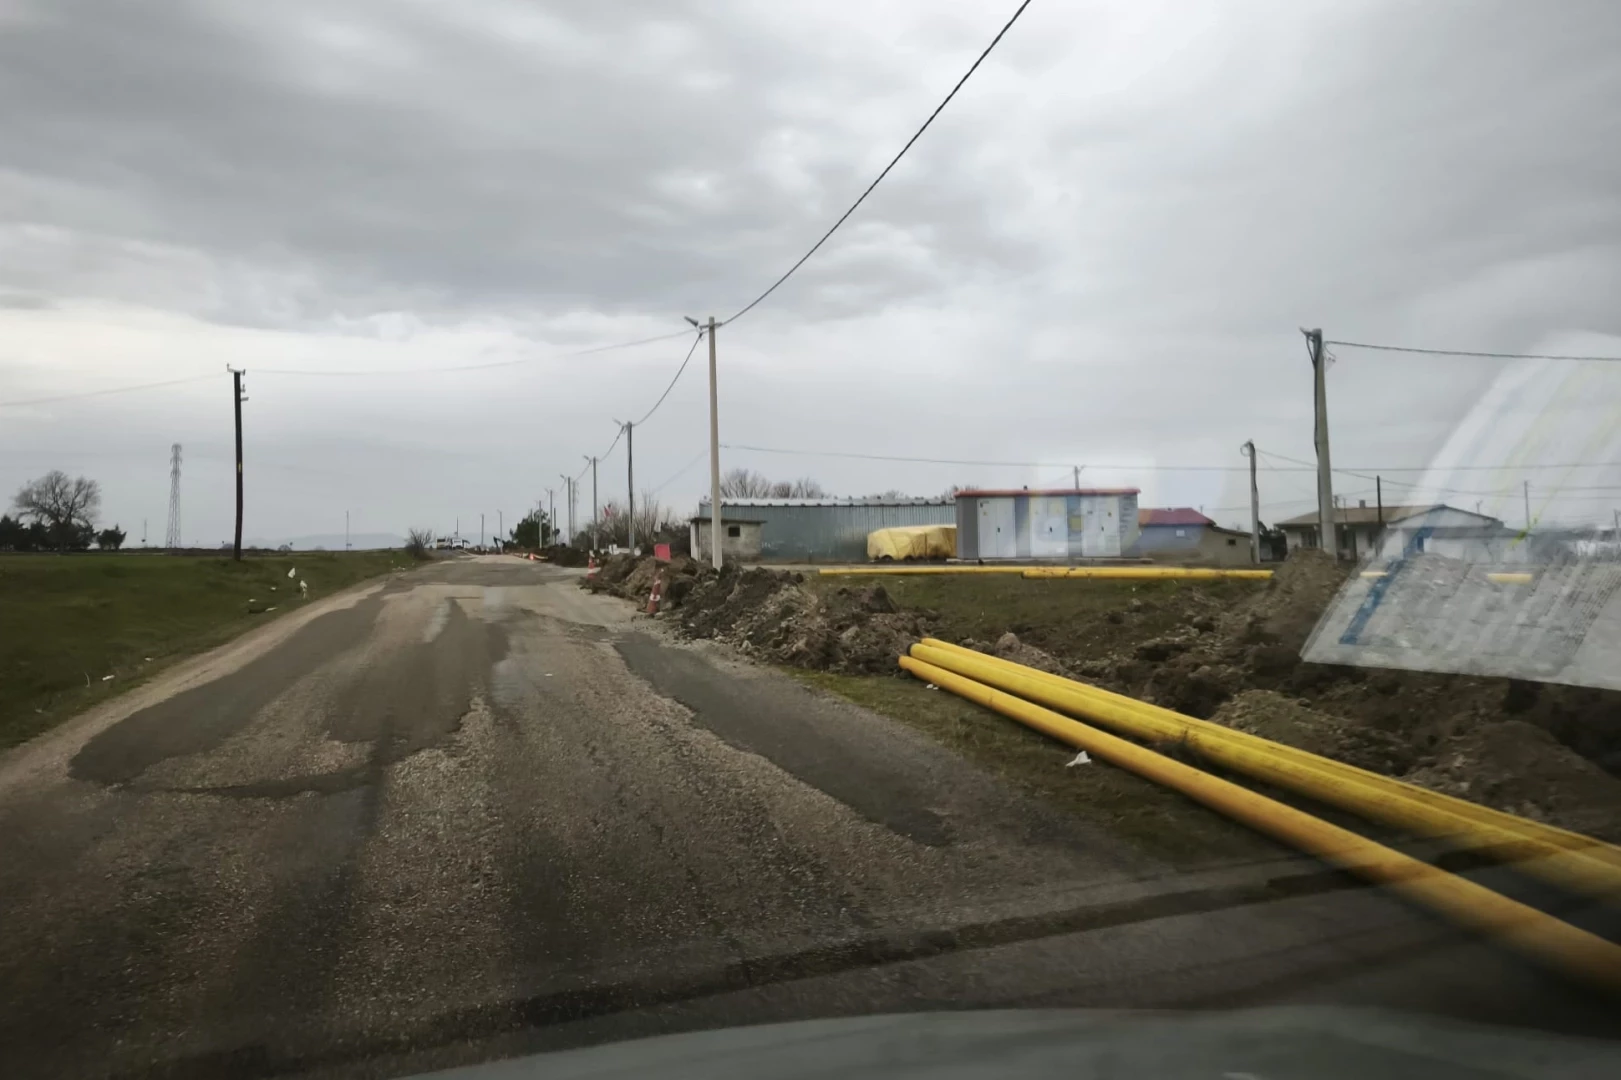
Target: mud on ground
{"points": [[1544, 751]]}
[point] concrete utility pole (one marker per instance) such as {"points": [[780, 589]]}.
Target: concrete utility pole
{"points": [[238, 398], [347, 546], [551, 515], [595, 539], [568, 504], [501, 527], [630, 486], [714, 455], [1527, 490], [480, 526], [1325, 477], [1077, 469], [1248, 449]]}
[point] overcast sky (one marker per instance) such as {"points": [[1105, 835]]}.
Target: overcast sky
{"points": [[1101, 253]]}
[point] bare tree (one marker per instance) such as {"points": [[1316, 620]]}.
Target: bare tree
{"points": [[65, 507], [782, 489], [744, 484], [806, 488]]}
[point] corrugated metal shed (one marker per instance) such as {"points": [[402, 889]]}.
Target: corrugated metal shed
{"points": [[827, 530]]}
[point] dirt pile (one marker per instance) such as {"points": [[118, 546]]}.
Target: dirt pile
{"points": [[1518, 767], [1273, 716], [564, 555], [770, 614]]}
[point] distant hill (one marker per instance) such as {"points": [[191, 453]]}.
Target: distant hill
{"points": [[334, 541]]}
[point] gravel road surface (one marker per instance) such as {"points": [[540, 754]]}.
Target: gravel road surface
{"points": [[474, 811]]}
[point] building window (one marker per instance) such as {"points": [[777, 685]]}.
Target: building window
{"points": [[734, 530], [1232, 541], [1181, 532]]}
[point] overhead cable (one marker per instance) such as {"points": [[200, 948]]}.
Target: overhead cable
{"points": [[326, 372], [1467, 352], [892, 163], [102, 393]]}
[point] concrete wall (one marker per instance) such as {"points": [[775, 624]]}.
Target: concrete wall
{"points": [[1198, 545], [745, 545]]}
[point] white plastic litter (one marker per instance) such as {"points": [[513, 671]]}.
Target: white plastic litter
{"points": [[1080, 759], [303, 588], [106, 678], [292, 571], [930, 686]]}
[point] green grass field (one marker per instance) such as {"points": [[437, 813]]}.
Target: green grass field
{"points": [[68, 621]]}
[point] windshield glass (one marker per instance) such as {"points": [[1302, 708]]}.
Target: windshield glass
{"points": [[527, 525]]}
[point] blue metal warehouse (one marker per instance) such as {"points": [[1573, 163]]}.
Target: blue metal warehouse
{"points": [[828, 530]]}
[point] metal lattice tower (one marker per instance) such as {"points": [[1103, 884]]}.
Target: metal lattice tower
{"points": [[173, 539]]}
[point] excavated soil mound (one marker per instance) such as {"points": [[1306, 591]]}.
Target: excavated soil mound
{"points": [[1273, 716], [1518, 767]]}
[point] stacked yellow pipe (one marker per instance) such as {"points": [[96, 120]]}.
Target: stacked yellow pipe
{"points": [[1546, 939], [1569, 859], [1120, 573]]}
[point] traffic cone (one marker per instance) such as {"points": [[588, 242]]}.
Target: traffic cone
{"points": [[657, 594], [591, 565]]}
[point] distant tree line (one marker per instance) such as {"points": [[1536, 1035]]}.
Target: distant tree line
{"points": [[57, 513]]}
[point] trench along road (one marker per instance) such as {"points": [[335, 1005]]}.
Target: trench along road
{"points": [[473, 811]]}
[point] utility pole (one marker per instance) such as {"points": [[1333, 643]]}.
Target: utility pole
{"points": [[1379, 499], [501, 527], [1255, 504], [714, 455], [595, 539], [1527, 490], [630, 485], [551, 514], [1325, 476], [346, 545], [568, 503], [238, 399], [480, 527], [143, 532]]}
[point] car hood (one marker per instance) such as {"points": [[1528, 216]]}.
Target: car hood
{"points": [[1258, 1044]]}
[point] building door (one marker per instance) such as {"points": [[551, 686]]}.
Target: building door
{"points": [[1049, 527], [996, 536]]}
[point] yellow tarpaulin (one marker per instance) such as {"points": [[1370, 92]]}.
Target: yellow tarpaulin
{"points": [[914, 542]]}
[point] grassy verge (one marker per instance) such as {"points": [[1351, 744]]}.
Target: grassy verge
{"points": [[1066, 617], [68, 621], [1157, 820]]}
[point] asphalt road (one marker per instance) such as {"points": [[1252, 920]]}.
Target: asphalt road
{"points": [[474, 811]]}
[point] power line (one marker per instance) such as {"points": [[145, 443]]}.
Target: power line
{"points": [[667, 389], [681, 471], [100, 393], [1466, 352], [892, 163], [965, 461], [360, 373]]}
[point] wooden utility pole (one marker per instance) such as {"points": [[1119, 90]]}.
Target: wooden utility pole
{"points": [[1325, 477], [238, 398], [1255, 505]]}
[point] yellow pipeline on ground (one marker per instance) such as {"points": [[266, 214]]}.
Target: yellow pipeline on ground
{"points": [[1541, 937], [1580, 862], [832, 571], [1147, 573]]}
